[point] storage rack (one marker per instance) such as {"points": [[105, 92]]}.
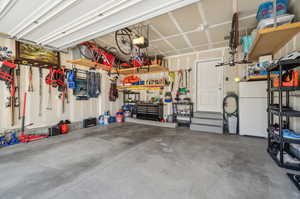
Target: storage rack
{"points": [[127, 95], [182, 113], [283, 112]]}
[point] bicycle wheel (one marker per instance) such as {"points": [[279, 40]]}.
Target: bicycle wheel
{"points": [[86, 51], [123, 41]]}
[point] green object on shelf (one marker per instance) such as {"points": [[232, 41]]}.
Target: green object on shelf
{"points": [[183, 91]]}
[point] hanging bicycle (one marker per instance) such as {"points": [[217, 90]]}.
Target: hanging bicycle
{"points": [[126, 39], [90, 50]]}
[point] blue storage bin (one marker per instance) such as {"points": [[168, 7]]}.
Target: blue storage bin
{"points": [[265, 10]]}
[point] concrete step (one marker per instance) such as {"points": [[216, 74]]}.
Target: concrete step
{"points": [[207, 128], [209, 121], [208, 115]]}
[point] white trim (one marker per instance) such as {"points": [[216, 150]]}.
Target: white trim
{"points": [[176, 35], [46, 7], [229, 22], [209, 60], [219, 42], [47, 18], [165, 40], [76, 22], [202, 51], [6, 7], [235, 6], [187, 40], [127, 22], [108, 10], [202, 14], [209, 27]]}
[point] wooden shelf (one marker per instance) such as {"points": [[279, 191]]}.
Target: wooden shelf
{"points": [[88, 63], [126, 71], [143, 70], [268, 41], [142, 87], [260, 77]]}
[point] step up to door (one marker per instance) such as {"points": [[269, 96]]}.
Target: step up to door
{"points": [[208, 115], [207, 128], [209, 121]]}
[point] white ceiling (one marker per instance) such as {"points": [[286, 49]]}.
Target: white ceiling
{"points": [[179, 31], [174, 24], [64, 23]]}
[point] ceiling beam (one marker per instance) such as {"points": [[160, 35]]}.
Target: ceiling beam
{"points": [[235, 6], [106, 11], [164, 8], [45, 7], [6, 6], [209, 26], [163, 38], [202, 14], [47, 18], [181, 32], [76, 22], [201, 45]]}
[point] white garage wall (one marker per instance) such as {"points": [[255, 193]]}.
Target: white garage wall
{"points": [[74, 111], [181, 62]]}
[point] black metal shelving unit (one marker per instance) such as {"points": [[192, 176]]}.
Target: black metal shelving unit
{"points": [[284, 113], [182, 113], [130, 97]]}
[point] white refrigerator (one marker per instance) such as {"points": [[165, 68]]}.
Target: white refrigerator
{"points": [[253, 108]]}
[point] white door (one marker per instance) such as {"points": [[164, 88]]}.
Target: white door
{"points": [[209, 86]]}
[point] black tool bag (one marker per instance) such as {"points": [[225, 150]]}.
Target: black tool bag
{"points": [[113, 92], [94, 80]]}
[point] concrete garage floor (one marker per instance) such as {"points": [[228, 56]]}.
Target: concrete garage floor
{"points": [[134, 161]]}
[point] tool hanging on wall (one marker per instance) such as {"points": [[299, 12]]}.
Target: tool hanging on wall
{"points": [[113, 91], [40, 91], [93, 82], [172, 78], [180, 74], [7, 74], [49, 106], [18, 76], [30, 85], [12, 100], [63, 93], [28, 138]]}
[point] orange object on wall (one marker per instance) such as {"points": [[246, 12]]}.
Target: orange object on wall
{"points": [[289, 79], [131, 79]]}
